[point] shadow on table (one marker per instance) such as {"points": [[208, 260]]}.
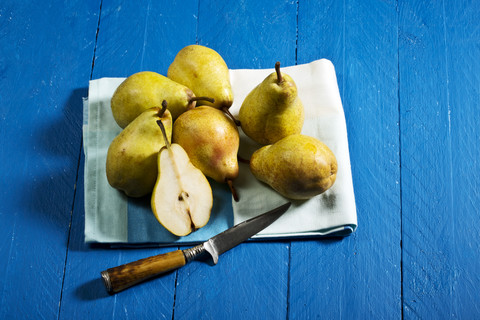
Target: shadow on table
{"points": [[92, 290], [54, 159]]}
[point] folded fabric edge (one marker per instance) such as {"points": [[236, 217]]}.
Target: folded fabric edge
{"points": [[339, 231]]}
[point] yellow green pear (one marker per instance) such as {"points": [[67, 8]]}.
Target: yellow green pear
{"points": [[298, 167], [182, 198], [204, 71], [132, 155], [272, 110], [211, 140], [147, 89]]}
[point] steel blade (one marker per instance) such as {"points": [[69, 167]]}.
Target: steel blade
{"points": [[239, 233]]}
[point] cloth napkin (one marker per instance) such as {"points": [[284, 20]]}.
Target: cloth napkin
{"points": [[111, 217]]}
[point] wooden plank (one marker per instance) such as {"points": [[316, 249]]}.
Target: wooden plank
{"points": [[426, 162], [439, 90], [45, 52], [252, 35], [357, 277], [84, 295], [142, 36], [132, 37], [462, 38], [251, 280]]}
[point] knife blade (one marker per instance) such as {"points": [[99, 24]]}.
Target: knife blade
{"points": [[127, 275]]}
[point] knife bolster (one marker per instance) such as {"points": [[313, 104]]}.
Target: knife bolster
{"points": [[194, 252]]}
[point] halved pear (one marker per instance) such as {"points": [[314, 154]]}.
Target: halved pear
{"points": [[182, 198]]}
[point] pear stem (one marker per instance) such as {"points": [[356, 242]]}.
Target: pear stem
{"points": [[232, 189], [227, 111], [279, 74], [162, 127], [240, 159], [211, 100], [164, 107]]}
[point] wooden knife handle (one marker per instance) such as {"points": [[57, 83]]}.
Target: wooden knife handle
{"points": [[119, 278]]}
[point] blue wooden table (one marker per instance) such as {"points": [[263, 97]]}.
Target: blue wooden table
{"points": [[409, 78]]}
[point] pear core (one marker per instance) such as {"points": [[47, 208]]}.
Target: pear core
{"points": [[182, 198]]}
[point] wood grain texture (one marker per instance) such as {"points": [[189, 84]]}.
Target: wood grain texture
{"points": [[84, 295], [462, 38], [438, 86], [142, 36], [129, 274], [251, 280], [357, 277], [131, 37], [249, 34], [426, 162], [409, 78], [45, 55]]}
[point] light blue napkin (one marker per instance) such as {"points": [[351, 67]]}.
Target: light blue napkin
{"points": [[111, 217]]}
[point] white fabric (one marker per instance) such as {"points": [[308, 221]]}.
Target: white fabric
{"points": [[325, 120], [108, 211]]}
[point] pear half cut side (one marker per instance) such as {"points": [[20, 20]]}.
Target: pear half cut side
{"points": [[182, 198]]}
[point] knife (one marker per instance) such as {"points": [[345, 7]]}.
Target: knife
{"points": [[122, 277]]}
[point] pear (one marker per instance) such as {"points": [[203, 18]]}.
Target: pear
{"points": [[272, 110], [205, 72], [211, 140], [145, 89], [132, 155], [297, 166], [182, 198]]}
